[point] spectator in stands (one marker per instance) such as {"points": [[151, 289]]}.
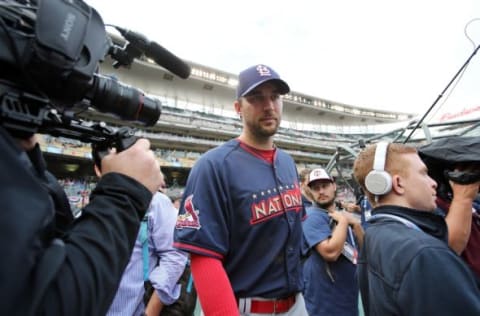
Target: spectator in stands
{"points": [[162, 266], [242, 209], [405, 265], [332, 240], [307, 197]]}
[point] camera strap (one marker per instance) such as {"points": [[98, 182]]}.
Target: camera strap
{"points": [[143, 239]]}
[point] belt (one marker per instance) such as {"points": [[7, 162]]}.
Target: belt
{"points": [[270, 306]]}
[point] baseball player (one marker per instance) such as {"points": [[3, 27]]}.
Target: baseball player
{"points": [[241, 214]]}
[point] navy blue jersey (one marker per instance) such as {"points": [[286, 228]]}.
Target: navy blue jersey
{"points": [[247, 212], [330, 288]]}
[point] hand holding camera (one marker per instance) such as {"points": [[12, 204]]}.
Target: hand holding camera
{"points": [[137, 162]]}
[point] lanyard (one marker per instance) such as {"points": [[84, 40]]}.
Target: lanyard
{"points": [[350, 233], [406, 222]]}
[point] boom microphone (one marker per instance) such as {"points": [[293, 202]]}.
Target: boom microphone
{"points": [[159, 54]]}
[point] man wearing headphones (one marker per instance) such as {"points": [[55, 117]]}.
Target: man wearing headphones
{"points": [[405, 265]]}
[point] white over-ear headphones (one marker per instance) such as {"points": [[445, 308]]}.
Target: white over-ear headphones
{"points": [[378, 181]]}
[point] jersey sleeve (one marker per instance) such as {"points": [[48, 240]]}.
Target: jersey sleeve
{"points": [[202, 221], [316, 227]]}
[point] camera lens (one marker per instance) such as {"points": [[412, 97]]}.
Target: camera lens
{"points": [[112, 96]]}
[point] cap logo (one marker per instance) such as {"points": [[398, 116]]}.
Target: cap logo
{"points": [[190, 218], [319, 173], [263, 71]]}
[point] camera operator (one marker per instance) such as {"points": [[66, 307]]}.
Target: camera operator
{"points": [[49, 61], [454, 164], [53, 267]]}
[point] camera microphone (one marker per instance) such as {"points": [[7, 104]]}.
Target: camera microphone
{"points": [[159, 54]]}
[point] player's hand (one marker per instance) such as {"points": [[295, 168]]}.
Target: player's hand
{"points": [[137, 162]]}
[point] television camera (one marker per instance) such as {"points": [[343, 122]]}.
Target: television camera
{"points": [[50, 52], [443, 156]]}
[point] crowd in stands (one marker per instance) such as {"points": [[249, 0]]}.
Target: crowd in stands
{"points": [[78, 192], [211, 121], [65, 146], [227, 124], [69, 147], [166, 157]]}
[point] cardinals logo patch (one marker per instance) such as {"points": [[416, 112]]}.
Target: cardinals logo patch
{"points": [[190, 218]]}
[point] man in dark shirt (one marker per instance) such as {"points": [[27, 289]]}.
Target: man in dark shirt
{"points": [[51, 265], [405, 265], [458, 156], [332, 239]]}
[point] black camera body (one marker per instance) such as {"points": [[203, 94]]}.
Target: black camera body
{"points": [[445, 155], [50, 52], [55, 50]]}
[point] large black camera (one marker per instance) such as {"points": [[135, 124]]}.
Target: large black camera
{"points": [[50, 52], [444, 156]]}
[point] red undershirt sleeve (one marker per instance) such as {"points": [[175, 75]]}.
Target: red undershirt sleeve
{"points": [[213, 286]]}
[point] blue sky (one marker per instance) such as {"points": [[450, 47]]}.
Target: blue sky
{"points": [[392, 55]]}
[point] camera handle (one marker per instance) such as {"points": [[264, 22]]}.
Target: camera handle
{"points": [[24, 114], [122, 139], [462, 177]]}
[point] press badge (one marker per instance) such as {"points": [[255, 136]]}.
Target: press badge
{"points": [[350, 252]]}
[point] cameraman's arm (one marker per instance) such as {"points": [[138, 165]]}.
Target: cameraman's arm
{"points": [[98, 247], [29, 143], [459, 217]]}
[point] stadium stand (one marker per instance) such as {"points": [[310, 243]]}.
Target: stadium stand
{"points": [[197, 114]]}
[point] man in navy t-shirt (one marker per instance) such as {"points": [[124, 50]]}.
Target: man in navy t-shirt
{"points": [[332, 241]]}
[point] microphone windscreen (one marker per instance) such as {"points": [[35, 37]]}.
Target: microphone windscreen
{"points": [[168, 60]]}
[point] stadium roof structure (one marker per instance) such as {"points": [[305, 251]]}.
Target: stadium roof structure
{"points": [[414, 133]]}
